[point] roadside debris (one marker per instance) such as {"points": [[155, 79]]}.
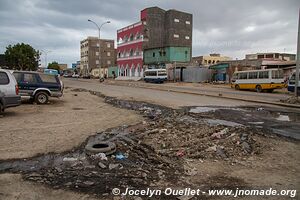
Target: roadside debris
{"points": [[142, 155], [291, 100], [220, 134]]}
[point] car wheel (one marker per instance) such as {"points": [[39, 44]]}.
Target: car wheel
{"points": [[41, 98], [237, 87], [258, 88]]}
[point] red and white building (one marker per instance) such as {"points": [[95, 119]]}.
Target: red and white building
{"points": [[130, 50]]}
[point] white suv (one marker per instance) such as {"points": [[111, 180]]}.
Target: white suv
{"points": [[9, 91]]}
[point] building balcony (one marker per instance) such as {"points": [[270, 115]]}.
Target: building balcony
{"points": [[130, 57], [120, 44]]}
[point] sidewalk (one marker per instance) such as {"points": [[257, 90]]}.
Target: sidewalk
{"points": [[221, 91]]}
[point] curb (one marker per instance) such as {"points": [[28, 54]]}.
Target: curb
{"points": [[211, 95]]}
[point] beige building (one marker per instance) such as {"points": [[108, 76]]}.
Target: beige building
{"points": [[212, 59], [90, 59], [63, 66], [275, 56]]}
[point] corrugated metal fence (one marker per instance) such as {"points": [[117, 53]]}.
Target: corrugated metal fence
{"points": [[191, 74], [196, 74]]}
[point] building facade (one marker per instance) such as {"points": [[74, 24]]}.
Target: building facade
{"points": [[211, 59], [89, 55], [169, 36], [275, 56], [62, 66], [159, 38], [130, 41]]}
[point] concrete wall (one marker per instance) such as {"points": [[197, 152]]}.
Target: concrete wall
{"points": [[167, 55], [162, 26]]}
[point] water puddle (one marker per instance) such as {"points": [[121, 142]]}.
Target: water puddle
{"points": [[211, 109], [214, 122], [202, 110], [285, 118], [256, 123]]}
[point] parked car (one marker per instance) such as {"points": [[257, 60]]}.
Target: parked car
{"points": [[39, 87], [75, 76], [9, 91]]}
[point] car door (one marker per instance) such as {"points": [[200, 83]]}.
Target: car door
{"points": [[29, 83]]}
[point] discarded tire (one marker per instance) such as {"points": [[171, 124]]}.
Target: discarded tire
{"points": [[100, 147]]}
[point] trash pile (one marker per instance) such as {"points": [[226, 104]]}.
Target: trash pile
{"points": [[291, 100], [148, 154]]}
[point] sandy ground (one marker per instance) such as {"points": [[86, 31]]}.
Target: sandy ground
{"points": [[28, 130], [65, 123], [12, 187]]}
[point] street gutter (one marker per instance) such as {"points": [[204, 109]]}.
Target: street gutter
{"points": [[211, 95]]}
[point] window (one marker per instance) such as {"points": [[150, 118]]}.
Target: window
{"points": [[176, 20], [187, 22], [108, 45], [153, 54], [253, 75], [4, 80], [264, 74], [30, 78], [131, 37], [138, 36], [97, 44], [48, 78], [151, 73], [242, 75], [176, 36], [277, 74], [131, 52], [108, 53], [162, 73], [187, 37], [97, 53], [108, 62], [97, 62], [17, 76], [119, 55]]}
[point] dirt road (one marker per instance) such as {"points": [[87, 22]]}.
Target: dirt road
{"points": [[65, 123], [197, 147]]}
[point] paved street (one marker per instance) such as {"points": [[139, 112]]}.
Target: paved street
{"points": [[133, 90], [151, 95]]}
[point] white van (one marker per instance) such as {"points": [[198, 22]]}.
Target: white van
{"points": [[9, 91]]}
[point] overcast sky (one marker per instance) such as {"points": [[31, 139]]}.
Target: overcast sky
{"points": [[230, 27]]}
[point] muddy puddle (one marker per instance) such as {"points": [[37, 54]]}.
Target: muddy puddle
{"points": [[154, 151]]}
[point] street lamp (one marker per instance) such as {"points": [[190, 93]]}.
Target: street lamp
{"points": [[46, 52], [99, 29]]}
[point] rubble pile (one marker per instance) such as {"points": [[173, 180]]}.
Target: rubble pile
{"points": [[148, 154], [180, 133], [291, 100]]}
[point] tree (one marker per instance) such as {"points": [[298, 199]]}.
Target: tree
{"points": [[54, 65], [22, 57]]}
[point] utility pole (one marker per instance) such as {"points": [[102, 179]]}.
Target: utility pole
{"points": [[298, 59], [46, 53]]}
